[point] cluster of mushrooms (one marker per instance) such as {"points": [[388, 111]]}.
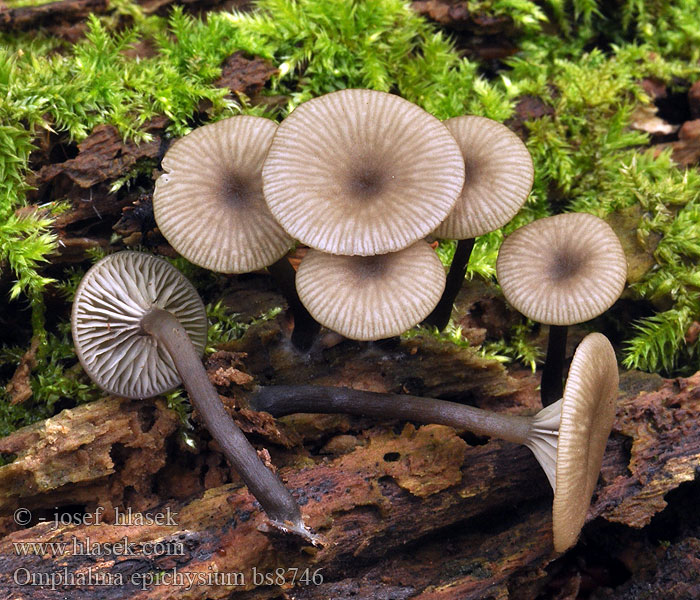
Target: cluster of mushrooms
{"points": [[361, 178]]}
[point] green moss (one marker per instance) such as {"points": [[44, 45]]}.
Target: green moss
{"points": [[516, 345], [22, 3], [452, 334], [225, 326], [55, 378], [572, 54], [58, 380]]}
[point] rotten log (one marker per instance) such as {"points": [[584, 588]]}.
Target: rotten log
{"points": [[409, 512], [51, 14], [66, 18], [102, 452]]}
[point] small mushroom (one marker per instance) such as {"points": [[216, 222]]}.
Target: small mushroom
{"points": [[209, 205], [559, 271], [361, 172], [139, 328], [498, 178], [371, 297], [586, 418], [568, 438]]}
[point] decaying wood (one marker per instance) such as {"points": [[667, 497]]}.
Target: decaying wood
{"points": [[420, 366], [408, 511], [694, 100], [456, 15], [102, 156], [662, 424], [50, 14], [685, 151], [92, 454], [486, 36], [19, 388], [364, 503], [243, 75], [66, 18]]}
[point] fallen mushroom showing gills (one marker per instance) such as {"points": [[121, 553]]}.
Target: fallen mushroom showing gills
{"points": [[139, 328], [560, 271], [568, 438], [586, 418], [498, 177]]}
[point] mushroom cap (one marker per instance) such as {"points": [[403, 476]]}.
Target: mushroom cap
{"points": [[109, 304], [371, 297], [563, 269], [498, 175], [209, 202], [587, 413], [361, 172]]}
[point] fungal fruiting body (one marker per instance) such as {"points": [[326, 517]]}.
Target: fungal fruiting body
{"points": [[559, 271], [567, 438], [139, 328]]}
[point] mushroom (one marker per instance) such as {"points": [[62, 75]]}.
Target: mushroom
{"points": [[361, 172], [209, 206], [559, 271], [568, 438], [139, 328], [371, 297], [498, 175]]}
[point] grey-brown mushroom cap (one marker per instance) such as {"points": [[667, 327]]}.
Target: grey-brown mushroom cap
{"points": [[563, 269], [371, 297], [498, 175], [109, 304], [209, 201], [361, 172], [588, 410]]}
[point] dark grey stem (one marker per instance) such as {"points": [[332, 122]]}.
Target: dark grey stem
{"points": [[306, 328], [455, 278], [282, 400], [275, 499], [552, 384]]}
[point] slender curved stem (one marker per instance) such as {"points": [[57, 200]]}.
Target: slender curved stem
{"points": [[552, 383], [275, 499], [306, 328], [283, 400], [455, 278]]}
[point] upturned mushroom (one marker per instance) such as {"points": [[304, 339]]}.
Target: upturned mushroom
{"points": [[559, 271], [361, 172], [371, 297], [139, 328], [568, 438], [209, 205], [498, 178]]}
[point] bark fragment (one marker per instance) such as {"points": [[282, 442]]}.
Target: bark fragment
{"points": [[19, 388], [56, 15]]}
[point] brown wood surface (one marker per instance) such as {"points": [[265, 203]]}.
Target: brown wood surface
{"points": [[407, 511]]}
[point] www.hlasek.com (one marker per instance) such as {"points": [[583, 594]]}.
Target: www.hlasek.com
{"points": [[165, 547]]}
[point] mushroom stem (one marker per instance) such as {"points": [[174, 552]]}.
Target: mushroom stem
{"points": [[305, 326], [458, 269], [282, 400], [552, 383], [273, 496]]}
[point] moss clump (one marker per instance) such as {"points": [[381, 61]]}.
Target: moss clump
{"points": [[572, 56]]}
